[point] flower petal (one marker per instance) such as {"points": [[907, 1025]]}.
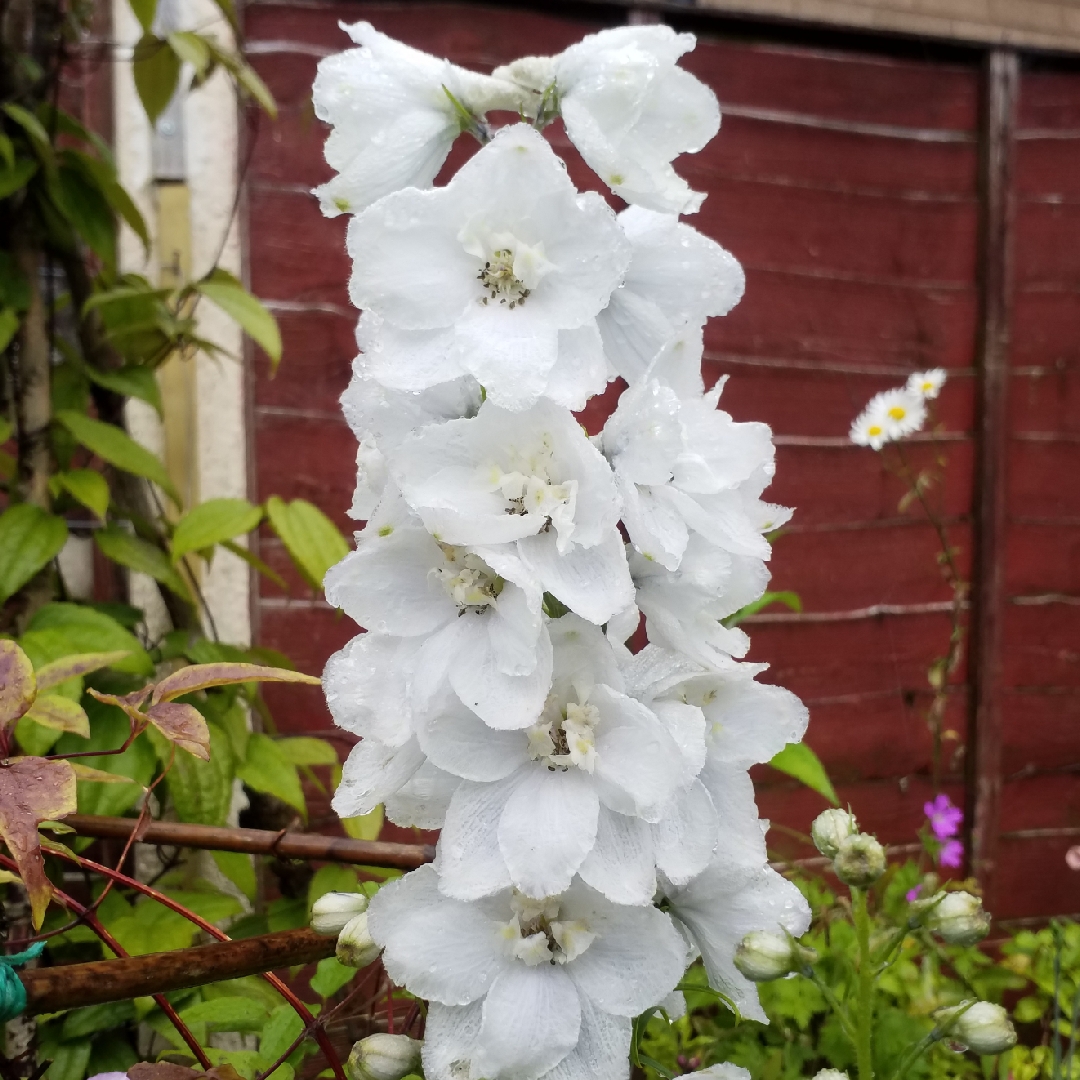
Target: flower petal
{"points": [[686, 838], [602, 1049], [532, 1020], [547, 828], [421, 802], [621, 863], [437, 948], [468, 857], [450, 1039], [372, 773], [457, 740]]}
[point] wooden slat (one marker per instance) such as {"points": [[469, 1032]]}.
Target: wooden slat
{"points": [[1001, 87]]}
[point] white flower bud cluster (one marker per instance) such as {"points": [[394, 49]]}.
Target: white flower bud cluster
{"points": [[598, 823], [858, 859]]}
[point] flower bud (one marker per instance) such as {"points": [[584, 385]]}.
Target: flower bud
{"points": [[762, 956], [830, 829], [333, 910], [959, 919], [860, 860], [355, 946], [984, 1028], [831, 1074], [383, 1057], [724, 1070]]}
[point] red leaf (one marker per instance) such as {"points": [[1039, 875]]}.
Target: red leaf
{"points": [[18, 687], [183, 725], [32, 790], [202, 676]]}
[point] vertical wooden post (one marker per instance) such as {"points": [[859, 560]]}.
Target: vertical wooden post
{"points": [[1001, 82]]}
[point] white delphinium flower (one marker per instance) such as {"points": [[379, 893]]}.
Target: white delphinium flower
{"points": [[594, 769], [725, 1070], [889, 416], [500, 275], [926, 384], [738, 893], [380, 418], [532, 478], [394, 116], [478, 614], [517, 984], [628, 109], [677, 277], [681, 464]]}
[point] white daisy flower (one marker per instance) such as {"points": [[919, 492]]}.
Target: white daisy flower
{"points": [[926, 384]]}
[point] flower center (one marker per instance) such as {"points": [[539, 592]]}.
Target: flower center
{"points": [[511, 268], [500, 282], [536, 935], [897, 412], [471, 583], [527, 485], [569, 739], [874, 429]]}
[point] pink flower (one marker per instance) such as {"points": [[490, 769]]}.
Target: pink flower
{"points": [[913, 894], [951, 854], [944, 818], [1072, 858]]}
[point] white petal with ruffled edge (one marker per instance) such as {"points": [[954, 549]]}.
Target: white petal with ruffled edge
{"points": [[372, 773], [621, 864], [468, 856]]}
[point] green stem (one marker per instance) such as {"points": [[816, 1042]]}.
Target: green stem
{"points": [[832, 1000], [865, 1000], [915, 1053]]}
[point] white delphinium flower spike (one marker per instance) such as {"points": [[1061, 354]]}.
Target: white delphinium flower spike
{"points": [[532, 478], [529, 810], [396, 112], [522, 975], [677, 277], [500, 274], [926, 384], [629, 109]]}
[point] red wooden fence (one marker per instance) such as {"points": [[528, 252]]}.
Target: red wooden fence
{"points": [[892, 214]]}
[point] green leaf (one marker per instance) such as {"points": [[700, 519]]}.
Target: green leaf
{"points": [[30, 539], [32, 126], [330, 976], [60, 714], [15, 178], [86, 210], [257, 563], [9, 325], [249, 80], [87, 487], [332, 878], [800, 762], [70, 1060], [103, 175], [81, 1022], [239, 869], [144, 10], [131, 381], [213, 522], [226, 291], [309, 536], [280, 1033], [127, 550], [117, 447], [366, 826], [192, 49], [59, 629], [268, 770], [789, 599], [157, 72], [305, 750], [201, 791], [227, 1014]]}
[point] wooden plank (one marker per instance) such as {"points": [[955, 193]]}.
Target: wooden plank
{"points": [[1001, 84]]}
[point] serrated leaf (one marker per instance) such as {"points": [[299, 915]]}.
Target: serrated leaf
{"points": [[60, 629], [212, 522], [70, 667], [305, 750], [202, 676], [30, 539], [18, 686], [59, 714], [156, 69], [87, 487], [117, 447], [32, 790], [226, 291], [309, 536], [268, 770], [183, 725], [800, 762], [127, 550]]}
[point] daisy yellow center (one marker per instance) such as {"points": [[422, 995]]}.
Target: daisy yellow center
{"points": [[537, 935], [897, 412], [874, 429]]}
